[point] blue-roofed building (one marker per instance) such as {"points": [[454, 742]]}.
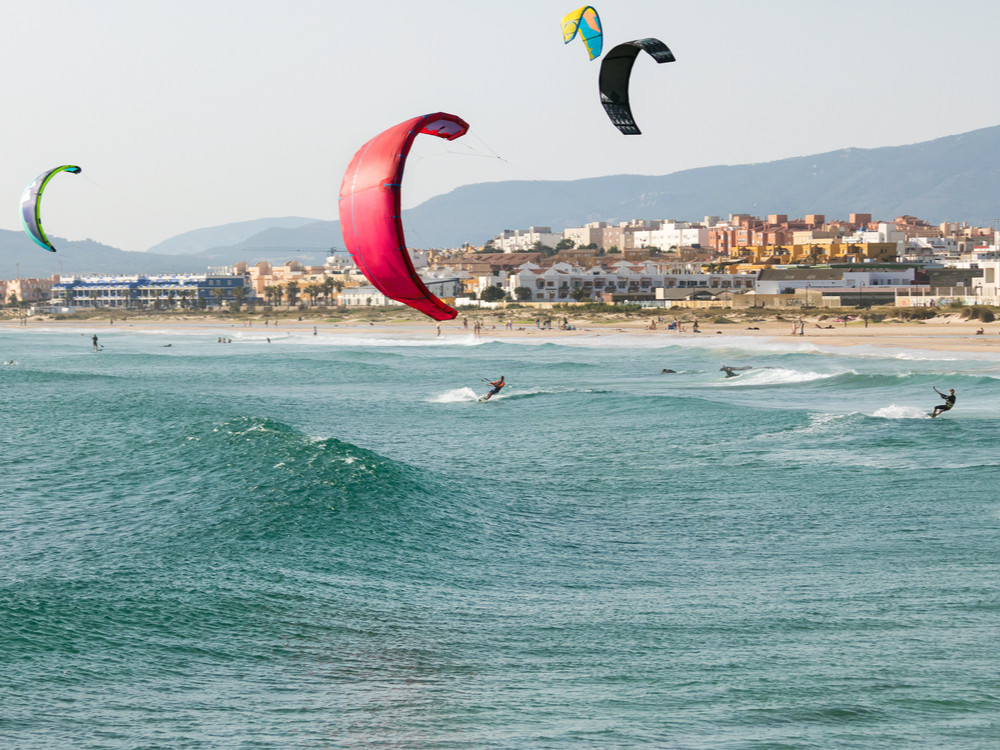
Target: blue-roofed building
{"points": [[163, 291]]}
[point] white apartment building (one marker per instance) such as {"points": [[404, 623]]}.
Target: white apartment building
{"points": [[983, 254], [886, 232], [444, 282], [518, 240], [588, 234], [481, 282], [365, 296], [783, 281], [671, 234], [742, 282], [557, 283], [984, 290], [923, 255]]}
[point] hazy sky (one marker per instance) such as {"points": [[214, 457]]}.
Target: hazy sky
{"points": [[185, 114]]}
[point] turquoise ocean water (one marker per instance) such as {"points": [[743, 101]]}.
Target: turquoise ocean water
{"points": [[326, 542]]}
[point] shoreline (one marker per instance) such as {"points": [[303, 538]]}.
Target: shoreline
{"points": [[946, 333]]}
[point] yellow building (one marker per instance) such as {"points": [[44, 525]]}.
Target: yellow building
{"points": [[263, 276], [757, 257]]}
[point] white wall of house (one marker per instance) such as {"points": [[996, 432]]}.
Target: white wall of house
{"points": [[589, 234], [365, 296], [518, 240], [873, 278], [671, 234], [556, 284], [984, 291]]}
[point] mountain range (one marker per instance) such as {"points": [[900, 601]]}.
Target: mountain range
{"points": [[955, 178]]}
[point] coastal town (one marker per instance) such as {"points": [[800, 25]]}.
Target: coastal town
{"points": [[740, 261]]}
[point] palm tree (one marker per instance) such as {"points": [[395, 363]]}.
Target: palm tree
{"points": [[292, 290], [314, 290], [240, 294], [328, 287]]}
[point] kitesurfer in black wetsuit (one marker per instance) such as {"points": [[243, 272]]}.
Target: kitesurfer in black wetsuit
{"points": [[729, 370], [949, 401]]}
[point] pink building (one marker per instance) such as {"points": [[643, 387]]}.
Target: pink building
{"points": [[28, 290]]}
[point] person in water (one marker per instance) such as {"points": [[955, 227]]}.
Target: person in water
{"points": [[949, 401], [730, 371], [497, 385]]}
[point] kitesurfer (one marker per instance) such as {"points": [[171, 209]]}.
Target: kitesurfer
{"points": [[94, 339], [497, 385], [730, 370], [949, 401]]}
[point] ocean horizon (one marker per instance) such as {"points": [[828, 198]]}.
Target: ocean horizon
{"points": [[326, 541]]}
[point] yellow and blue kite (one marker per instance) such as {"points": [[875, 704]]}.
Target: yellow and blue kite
{"points": [[585, 21]]}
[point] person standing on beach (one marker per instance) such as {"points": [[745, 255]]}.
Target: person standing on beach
{"points": [[949, 401]]}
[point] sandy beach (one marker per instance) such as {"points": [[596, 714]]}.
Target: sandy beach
{"points": [[942, 333]]}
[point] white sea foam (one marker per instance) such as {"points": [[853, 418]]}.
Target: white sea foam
{"points": [[779, 376], [826, 422], [454, 396], [892, 411], [822, 424]]}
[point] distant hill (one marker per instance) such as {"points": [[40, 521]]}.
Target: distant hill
{"points": [[313, 240], [21, 256], [956, 178], [198, 240]]}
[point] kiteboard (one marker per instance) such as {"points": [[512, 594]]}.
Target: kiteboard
{"points": [[484, 399]]}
